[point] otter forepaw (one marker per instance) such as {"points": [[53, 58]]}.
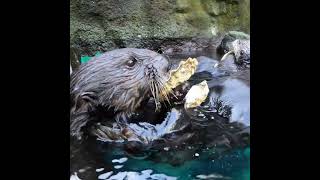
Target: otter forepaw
{"points": [[122, 120], [76, 125]]}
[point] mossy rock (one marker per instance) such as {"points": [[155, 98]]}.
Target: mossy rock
{"points": [[109, 24]]}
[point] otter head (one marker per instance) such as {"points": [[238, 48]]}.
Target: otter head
{"points": [[133, 75], [238, 58], [120, 79], [242, 51]]}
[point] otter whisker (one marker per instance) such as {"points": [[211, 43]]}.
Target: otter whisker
{"points": [[168, 91], [157, 91], [152, 89], [125, 97], [153, 92], [165, 96], [163, 92], [159, 81], [157, 99], [162, 81]]}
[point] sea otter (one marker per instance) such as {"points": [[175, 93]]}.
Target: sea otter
{"points": [[117, 81]]}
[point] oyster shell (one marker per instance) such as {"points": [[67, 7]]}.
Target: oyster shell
{"points": [[196, 95], [179, 75], [184, 71]]}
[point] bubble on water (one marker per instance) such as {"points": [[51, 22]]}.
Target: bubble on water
{"points": [[147, 171], [144, 175], [74, 177], [99, 170], [201, 115], [212, 176], [105, 175], [121, 160], [118, 166], [83, 169]]}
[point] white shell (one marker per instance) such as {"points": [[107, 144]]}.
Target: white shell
{"points": [[197, 95]]}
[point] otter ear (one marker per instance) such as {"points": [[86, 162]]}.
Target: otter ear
{"points": [[79, 114]]}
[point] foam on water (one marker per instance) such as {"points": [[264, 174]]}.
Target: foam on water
{"points": [[105, 175], [118, 166], [143, 175], [121, 160], [74, 177], [99, 170]]}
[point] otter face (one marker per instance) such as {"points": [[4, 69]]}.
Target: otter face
{"points": [[242, 51], [145, 73], [122, 78]]}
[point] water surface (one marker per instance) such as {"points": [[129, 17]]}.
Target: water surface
{"points": [[95, 159]]}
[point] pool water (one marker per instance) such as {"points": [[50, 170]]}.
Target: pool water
{"points": [[94, 159], [231, 165], [100, 160]]}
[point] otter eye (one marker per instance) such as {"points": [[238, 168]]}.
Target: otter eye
{"points": [[131, 62]]}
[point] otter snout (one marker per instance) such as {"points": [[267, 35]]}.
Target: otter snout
{"points": [[245, 58], [157, 67], [151, 71], [161, 63]]}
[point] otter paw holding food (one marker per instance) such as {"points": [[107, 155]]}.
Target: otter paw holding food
{"points": [[116, 84]]}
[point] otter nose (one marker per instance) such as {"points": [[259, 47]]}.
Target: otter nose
{"points": [[150, 71], [151, 68]]}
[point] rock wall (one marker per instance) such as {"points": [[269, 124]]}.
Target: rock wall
{"points": [[102, 25]]}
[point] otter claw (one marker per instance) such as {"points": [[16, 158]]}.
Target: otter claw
{"points": [[121, 120]]}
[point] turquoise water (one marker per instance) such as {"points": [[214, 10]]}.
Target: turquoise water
{"points": [[100, 160], [234, 164]]}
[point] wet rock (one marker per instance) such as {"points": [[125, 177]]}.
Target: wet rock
{"points": [[188, 47], [182, 6], [238, 35], [105, 25], [214, 8]]}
